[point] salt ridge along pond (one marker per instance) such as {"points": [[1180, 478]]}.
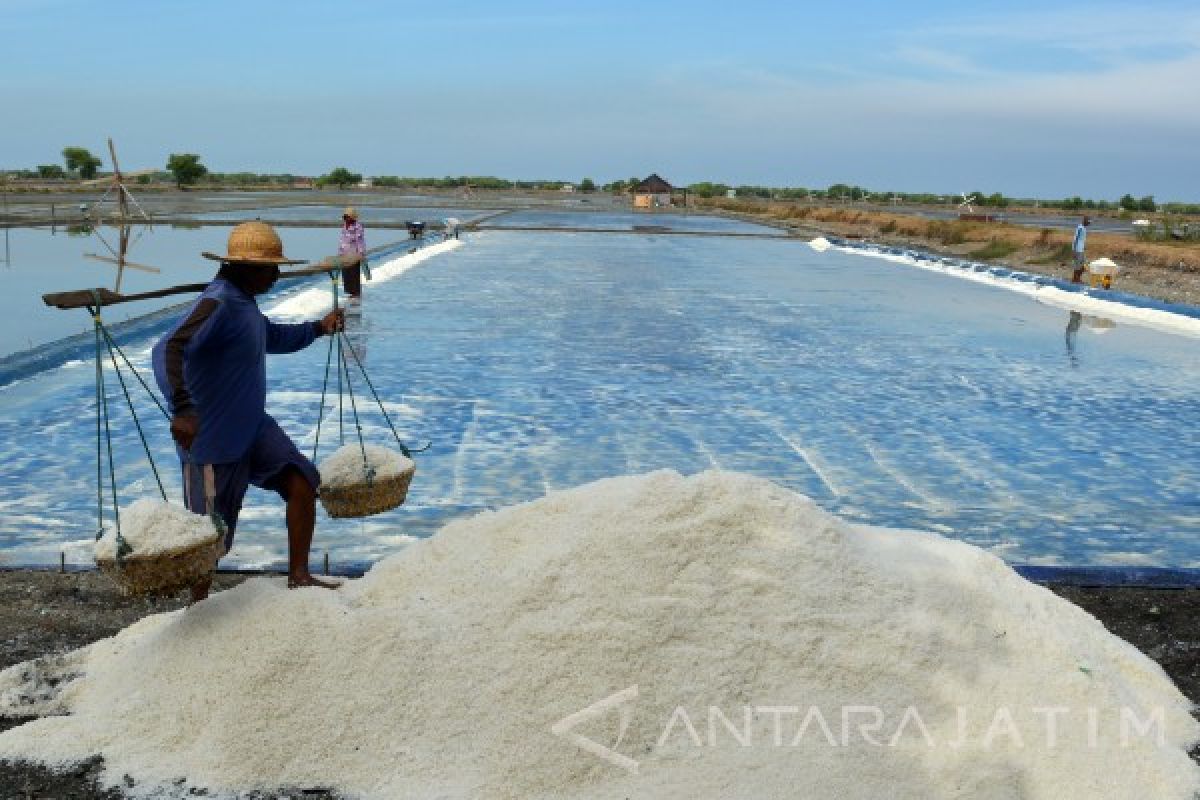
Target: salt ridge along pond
{"points": [[496, 659], [539, 361]]}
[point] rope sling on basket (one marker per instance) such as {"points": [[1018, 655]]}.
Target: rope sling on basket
{"points": [[373, 479], [161, 570]]}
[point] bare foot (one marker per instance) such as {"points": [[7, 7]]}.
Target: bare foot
{"points": [[305, 579]]}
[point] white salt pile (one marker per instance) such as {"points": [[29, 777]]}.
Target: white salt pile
{"points": [[153, 527], [820, 244], [345, 467], [714, 636], [1104, 266]]}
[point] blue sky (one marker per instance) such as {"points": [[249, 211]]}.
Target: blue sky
{"points": [[1035, 99]]}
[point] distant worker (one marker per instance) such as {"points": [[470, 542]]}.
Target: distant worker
{"points": [[353, 242], [1077, 248], [211, 368]]}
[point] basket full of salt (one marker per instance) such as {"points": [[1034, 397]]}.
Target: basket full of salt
{"points": [[170, 548], [360, 480]]}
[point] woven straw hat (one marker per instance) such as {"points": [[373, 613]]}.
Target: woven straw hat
{"points": [[253, 243], [351, 213]]}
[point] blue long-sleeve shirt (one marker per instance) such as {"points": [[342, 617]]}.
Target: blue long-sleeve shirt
{"points": [[212, 363], [1080, 242]]}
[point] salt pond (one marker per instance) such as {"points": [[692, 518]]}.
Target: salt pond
{"points": [[41, 261], [536, 361], [368, 214], [699, 223]]}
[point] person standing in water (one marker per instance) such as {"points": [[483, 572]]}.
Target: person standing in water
{"points": [[1077, 248], [353, 242]]}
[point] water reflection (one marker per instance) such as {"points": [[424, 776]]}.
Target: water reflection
{"points": [[1076, 320], [7, 252], [356, 332], [1073, 322], [119, 254]]}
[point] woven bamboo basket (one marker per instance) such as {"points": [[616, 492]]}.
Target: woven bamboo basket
{"points": [[164, 573], [364, 499]]}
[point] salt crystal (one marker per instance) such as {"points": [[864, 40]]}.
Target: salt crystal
{"points": [[465, 665], [346, 467], [154, 527]]}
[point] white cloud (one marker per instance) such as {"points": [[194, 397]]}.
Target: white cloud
{"points": [[1111, 36], [940, 60]]}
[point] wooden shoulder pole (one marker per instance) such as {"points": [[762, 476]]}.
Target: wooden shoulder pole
{"points": [[82, 298]]}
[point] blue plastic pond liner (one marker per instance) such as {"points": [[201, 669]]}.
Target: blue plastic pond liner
{"points": [[27, 363], [1113, 577], [81, 346]]}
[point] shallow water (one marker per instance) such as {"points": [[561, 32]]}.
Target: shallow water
{"points": [[367, 214], [627, 221], [534, 361], [41, 261]]}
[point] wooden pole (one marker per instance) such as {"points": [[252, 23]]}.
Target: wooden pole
{"points": [[122, 203], [122, 263], [82, 298], [7, 259], [123, 248]]}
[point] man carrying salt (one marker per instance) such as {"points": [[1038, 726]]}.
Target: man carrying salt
{"points": [[211, 367]]}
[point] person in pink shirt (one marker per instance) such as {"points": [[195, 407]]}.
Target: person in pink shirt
{"points": [[353, 241]]}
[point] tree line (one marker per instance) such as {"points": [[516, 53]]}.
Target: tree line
{"points": [[186, 169], [81, 164], [845, 193]]}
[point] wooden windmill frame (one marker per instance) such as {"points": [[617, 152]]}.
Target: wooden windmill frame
{"points": [[124, 200]]}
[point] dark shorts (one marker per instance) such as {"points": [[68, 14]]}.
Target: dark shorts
{"points": [[1079, 259], [352, 280], [269, 455]]}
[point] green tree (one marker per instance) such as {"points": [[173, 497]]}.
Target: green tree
{"points": [[78, 159], [342, 177], [186, 168], [1128, 203], [1147, 203], [708, 189], [838, 191], [50, 171], [753, 191], [587, 185]]}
